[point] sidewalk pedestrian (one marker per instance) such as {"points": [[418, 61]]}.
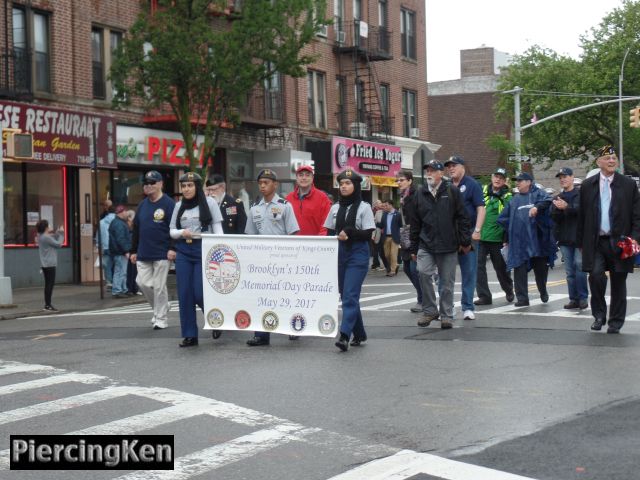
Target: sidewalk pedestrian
{"points": [[119, 246], [440, 229], [351, 219], [107, 258], [564, 213], [496, 196], [193, 215], [272, 215], [609, 211], [234, 216], [152, 248], [408, 200], [310, 205], [530, 243], [132, 269], [474, 204], [377, 245], [48, 244], [390, 224]]}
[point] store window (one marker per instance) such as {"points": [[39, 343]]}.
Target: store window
{"points": [[33, 192], [127, 188]]}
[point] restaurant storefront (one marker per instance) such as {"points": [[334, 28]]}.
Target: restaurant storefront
{"points": [[56, 185]]}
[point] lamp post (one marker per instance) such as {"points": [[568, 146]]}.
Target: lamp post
{"points": [[620, 146]]}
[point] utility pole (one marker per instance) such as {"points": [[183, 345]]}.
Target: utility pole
{"points": [[6, 295], [517, 129], [620, 146]]}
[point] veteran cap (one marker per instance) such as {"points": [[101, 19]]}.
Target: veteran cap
{"points": [[349, 175], [268, 174], [606, 150], [564, 171], [524, 176], [214, 179], [152, 176], [501, 171], [434, 165], [456, 159], [190, 177]]}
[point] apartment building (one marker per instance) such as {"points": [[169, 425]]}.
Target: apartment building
{"points": [[362, 105]]}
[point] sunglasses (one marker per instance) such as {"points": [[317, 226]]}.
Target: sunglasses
{"points": [[150, 183]]}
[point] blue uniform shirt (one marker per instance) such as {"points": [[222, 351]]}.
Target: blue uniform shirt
{"points": [[472, 195], [152, 219]]}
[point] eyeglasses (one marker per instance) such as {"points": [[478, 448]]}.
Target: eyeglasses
{"points": [[150, 183]]}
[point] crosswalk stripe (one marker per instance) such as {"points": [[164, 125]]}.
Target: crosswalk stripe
{"points": [[532, 303], [9, 368], [203, 461], [48, 381]]}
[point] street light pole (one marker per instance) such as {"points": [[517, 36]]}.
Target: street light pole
{"points": [[516, 120], [620, 145]]}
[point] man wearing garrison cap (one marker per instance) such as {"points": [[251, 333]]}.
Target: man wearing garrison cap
{"points": [[234, 217]]}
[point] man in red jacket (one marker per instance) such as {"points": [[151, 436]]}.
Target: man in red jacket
{"points": [[311, 206]]}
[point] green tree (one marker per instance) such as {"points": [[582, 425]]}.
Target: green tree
{"points": [[201, 61], [548, 78]]}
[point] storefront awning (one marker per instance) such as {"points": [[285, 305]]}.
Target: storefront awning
{"points": [[384, 181]]}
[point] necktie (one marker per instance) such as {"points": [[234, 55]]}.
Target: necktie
{"points": [[605, 201]]}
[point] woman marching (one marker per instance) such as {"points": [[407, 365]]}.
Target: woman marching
{"points": [[352, 220], [193, 215]]}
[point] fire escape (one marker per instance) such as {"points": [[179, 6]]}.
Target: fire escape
{"points": [[363, 113]]}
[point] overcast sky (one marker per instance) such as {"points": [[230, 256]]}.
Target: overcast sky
{"points": [[509, 26]]}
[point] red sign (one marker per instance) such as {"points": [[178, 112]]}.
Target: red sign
{"points": [[171, 150], [365, 158], [62, 137]]}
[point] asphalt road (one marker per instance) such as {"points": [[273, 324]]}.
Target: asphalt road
{"points": [[517, 393]]}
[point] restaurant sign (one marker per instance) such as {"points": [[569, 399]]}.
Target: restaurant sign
{"points": [[62, 137], [365, 158]]}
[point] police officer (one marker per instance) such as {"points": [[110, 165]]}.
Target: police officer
{"points": [[234, 218], [272, 215]]}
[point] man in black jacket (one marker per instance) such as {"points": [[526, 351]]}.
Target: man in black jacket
{"points": [[234, 216], [564, 213], [440, 228], [609, 211], [119, 247]]}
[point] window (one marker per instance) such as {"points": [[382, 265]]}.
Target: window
{"points": [[409, 109], [316, 99], [104, 44], [33, 192], [383, 23], [340, 107], [31, 34], [319, 14], [360, 104], [384, 105], [273, 95], [338, 19], [408, 33]]}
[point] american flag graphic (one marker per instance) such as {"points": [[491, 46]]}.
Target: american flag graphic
{"points": [[221, 261]]}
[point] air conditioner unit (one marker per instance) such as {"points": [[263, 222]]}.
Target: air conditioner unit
{"points": [[414, 132], [340, 37], [358, 129]]}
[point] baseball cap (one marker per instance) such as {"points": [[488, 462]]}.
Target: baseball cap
{"points": [[268, 173], [214, 179], [524, 176], [152, 176], [120, 209], [434, 165], [457, 159], [303, 168], [501, 171], [564, 171]]}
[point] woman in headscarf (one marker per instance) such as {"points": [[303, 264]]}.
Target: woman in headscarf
{"points": [[193, 215], [351, 219]]}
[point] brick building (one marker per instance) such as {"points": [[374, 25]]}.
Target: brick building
{"points": [[366, 93], [461, 112]]}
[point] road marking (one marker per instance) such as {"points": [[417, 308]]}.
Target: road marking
{"points": [[9, 368], [48, 381], [203, 461], [407, 463], [532, 303], [50, 335]]}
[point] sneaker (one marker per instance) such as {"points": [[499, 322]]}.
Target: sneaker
{"points": [[417, 308], [469, 315], [50, 308], [138, 292]]}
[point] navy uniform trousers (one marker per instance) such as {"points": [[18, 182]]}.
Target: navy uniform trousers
{"points": [[353, 265], [189, 283]]}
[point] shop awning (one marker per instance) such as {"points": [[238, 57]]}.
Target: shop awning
{"points": [[384, 181]]}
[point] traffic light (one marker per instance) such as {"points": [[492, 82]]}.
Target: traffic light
{"points": [[20, 145], [634, 117]]}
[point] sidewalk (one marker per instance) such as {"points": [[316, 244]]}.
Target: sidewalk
{"points": [[29, 302]]}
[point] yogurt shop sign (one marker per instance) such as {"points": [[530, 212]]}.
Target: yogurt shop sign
{"points": [[365, 158]]}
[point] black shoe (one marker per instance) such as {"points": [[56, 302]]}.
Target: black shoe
{"points": [[120, 295], [130, 294], [613, 330], [597, 325], [257, 342], [216, 334], [293, 337], [510, 297], [482, 301], [50, 308], [544, 297], [189, 342], [446, 325], [572, 305], [584, 305], [156, 327], [356, 342], [521, 303], [343, 342]]}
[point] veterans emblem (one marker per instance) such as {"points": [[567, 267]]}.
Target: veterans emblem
{"points": [[326, 324], [298, 322], [243, 319], [222, 268], [215, 318], [270, 321], [341, 155], [158, 215]]}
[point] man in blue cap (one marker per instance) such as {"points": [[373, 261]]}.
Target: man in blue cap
{"points": [[564, 213], [530, 238]]}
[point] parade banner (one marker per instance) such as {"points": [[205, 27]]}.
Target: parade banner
{"points": [[278, 284]]}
